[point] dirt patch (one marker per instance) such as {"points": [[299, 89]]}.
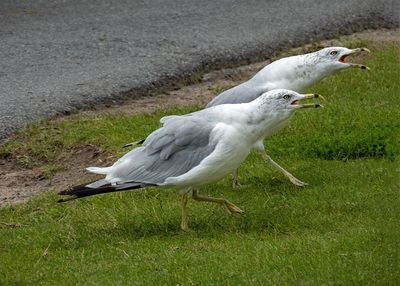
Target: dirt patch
{"points": [[17, 184]]}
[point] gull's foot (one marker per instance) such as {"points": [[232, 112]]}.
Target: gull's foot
{"points": [[231, 208], [184, 226], [297, 182], [236, 184]]}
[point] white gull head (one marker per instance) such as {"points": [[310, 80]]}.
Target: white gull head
{"points": [[300, 72], [273, 109]]}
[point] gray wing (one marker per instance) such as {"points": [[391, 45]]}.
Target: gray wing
{"points": [[170, 151], [241, 93]]}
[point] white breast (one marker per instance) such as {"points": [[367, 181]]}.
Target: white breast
{"points": [[222, 161]]}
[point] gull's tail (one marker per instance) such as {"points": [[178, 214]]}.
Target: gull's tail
{"points": [[99, 170], [96, 188]]}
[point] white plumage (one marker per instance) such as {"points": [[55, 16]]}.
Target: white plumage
{"points": [[295, 73], [196, 149]]}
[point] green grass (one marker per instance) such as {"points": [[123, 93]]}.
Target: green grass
{"points": [[342, 229]]}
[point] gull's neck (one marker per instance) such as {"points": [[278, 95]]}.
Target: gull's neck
{"points": [[296, 73], [255, 120], [261, 120]]}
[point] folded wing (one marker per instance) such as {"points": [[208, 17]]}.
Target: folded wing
{"points": [[170, 151]]}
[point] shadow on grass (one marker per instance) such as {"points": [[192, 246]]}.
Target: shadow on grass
{"points": [[209, 220]]}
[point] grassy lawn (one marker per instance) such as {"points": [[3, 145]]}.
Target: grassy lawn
{"points": [[342, 229]]}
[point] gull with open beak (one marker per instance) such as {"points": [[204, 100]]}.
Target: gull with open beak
{"points": [[296, 73], [344, 54], [196, 149]]}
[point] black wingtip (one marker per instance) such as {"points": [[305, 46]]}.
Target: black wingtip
{"points": [[85, 191], [65, 192]]}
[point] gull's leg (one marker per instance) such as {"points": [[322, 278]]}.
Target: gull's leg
{"points": [[260, 147], [292, 178], [184, 222], [231, 208], [235, 179]]}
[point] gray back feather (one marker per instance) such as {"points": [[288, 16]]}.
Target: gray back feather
{"points": [[170, 151], [241, 93]]}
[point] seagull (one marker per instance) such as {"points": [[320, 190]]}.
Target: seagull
{"points": [[295, 73], [196, 149]]}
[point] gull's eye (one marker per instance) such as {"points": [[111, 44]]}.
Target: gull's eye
{"points": [[333, 53], [286, 96]]}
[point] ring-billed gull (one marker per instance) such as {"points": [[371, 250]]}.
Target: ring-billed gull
{"points": [[296, 73], [196, 149]]}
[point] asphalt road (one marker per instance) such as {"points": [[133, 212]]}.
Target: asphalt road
{"points": [[62, 55]]}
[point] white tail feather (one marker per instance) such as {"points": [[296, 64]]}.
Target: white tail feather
{"points": [[97, 170]]}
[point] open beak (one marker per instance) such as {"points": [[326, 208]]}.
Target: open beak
{"points": [[352, 52], [295, 103]]}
